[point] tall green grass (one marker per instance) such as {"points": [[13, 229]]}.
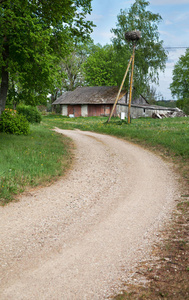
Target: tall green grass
{"points": [[172, 134], [30, 160]]}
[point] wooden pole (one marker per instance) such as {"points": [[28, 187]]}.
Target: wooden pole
{"points": [[117, 98], [131, 87]]}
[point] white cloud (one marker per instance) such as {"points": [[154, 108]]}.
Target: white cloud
{"points": [[103, 37], [175, 54], [127, 2], [106, 34], [167, 33], [182, 17], [158, 2], [94, 17], [174, 38], [167, 22]]}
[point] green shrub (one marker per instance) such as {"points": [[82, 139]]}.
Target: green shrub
{"points": [[184, 105], [12, 122], [31, 113]]}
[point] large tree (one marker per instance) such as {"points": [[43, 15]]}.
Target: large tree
{"points": [[180, 85], [150, 54], [100, 66], [71, 68], [34, 35], [73, 65]]}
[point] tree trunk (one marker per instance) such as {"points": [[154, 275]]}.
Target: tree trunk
{"points": [[4, 88], [4, 77]]}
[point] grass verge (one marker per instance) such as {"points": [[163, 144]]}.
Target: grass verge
{"points": [[170, 133], [31, 160]]}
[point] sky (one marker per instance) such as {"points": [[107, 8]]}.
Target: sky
{"points": [[174, 30]]}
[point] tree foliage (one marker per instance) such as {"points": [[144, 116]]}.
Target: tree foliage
{"points": [[106, 65], [152, 96], [73, 65], [34, 35], [14, 123], [150, 55], [100, 66], [180, 84], [184, 105], [71, 68]]}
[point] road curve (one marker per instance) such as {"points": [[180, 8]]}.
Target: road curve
{"points": [[79, 238]]}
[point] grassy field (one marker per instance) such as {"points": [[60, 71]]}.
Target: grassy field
{"points": [[31, 160], [170, 134]]}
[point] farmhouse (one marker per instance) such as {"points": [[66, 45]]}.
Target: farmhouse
{"points": [[99, 101], [92, 101]]}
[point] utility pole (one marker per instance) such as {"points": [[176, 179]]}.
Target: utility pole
{"points": [[117, 98], [131, 87], [130, 36]]}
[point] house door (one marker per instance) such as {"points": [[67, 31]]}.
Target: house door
{"points": [[70, 110], [77, 110], [74, 110], [95, 110]]}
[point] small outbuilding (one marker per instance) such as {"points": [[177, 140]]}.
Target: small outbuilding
{"points": [[147, 110], [92, 101]]}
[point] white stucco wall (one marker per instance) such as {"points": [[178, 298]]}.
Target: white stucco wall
{"points": [[84, 110], [64, 110]]}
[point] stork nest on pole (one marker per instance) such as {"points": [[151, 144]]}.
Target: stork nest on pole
{"points": [[132, 36]]}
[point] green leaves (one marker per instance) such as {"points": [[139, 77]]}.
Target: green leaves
{"points": [[106, 65], [100, 66], [13, 123], [150, 55], [34, 36], [180, 85]]}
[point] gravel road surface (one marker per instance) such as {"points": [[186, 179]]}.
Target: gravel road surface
{"points": [[80, 237]]}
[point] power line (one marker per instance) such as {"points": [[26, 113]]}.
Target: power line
{"points": [[176, 47]]}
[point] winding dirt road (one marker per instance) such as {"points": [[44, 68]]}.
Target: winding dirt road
{"points": [[79, 238]]}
